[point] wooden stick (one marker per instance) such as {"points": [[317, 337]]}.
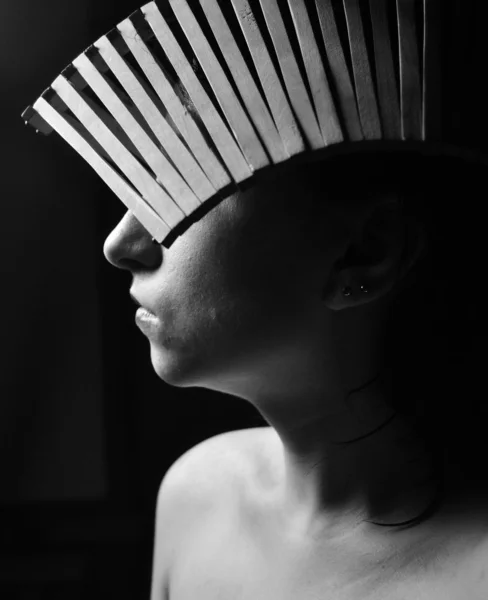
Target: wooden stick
{"points": [[73, 75], [295, 86], [317, 78], [224, 141], [237, 118], [410, 90], [162, 168], [80, 85], [168, 139], [94, 56], [385, 72], [365, 93], [61, 108], [154, 194], [142, 211], [179, 115], [273, 90], [339, 70], [432, 93], [120, 45], [34, 119], [56, 102], [245, 83]]}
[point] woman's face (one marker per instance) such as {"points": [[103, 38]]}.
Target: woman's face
{"points": [[238, 286]]}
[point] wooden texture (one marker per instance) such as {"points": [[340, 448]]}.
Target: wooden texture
{"points": [[120, 45], [410, 85], [273, 90], [56, 102], [142, 180], [432, 94], [101, 113], [388, 96], [140, 209], [365, 92], [166, 174], [167, 138], [221, 136], [322, 97], [103, 69], [297, 92], [183, 122], [338, 67], [229, 102], [244, 81]]}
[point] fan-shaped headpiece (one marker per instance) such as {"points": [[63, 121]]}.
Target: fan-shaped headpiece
{"points": [[175, 112]]}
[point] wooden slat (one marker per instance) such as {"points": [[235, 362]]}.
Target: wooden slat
{"points": [[410, 90], [245, 83], [142, 180], [103, 69], [116, 39], [168, 139], [75, 77], [81, 86], [319, 85], [221, 136], [34, 119], [270, 82], [80, 83], [60, 107], [339, 70], [120, 45], [295, 86], [140, 209], [56, 102], [432, 107], [388, 95], [365, 93], [162, 168], [236, 116], [184, 123]]}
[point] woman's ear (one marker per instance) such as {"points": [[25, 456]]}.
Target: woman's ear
{"points": [[385, 245]]}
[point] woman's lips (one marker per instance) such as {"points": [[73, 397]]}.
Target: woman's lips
{"points": [[146, 320]]}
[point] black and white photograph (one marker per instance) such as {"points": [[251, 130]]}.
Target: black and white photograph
{"points": [[244, 288]]}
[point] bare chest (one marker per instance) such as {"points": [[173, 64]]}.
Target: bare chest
{"points": [[220, 565], [237, 553]]}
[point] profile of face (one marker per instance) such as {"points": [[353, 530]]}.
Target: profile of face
{"points": [[240, 287]]}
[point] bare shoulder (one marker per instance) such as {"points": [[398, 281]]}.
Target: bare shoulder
{"points": [[205, 477], [199, 477], [219, 459]]}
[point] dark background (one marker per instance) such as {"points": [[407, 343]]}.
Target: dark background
{"points": [[87, 430]]}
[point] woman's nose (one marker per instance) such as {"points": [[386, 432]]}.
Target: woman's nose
{"points": [[129, 246]]}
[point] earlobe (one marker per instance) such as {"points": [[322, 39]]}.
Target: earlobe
{"points": [[348, 291], [359, 279], [349, 295], [375, 258]]}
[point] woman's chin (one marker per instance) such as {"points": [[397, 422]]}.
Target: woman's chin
{"points": [[170, 366]]}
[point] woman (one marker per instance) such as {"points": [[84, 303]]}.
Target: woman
{"points": [[303, 314], [330, 294]]}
